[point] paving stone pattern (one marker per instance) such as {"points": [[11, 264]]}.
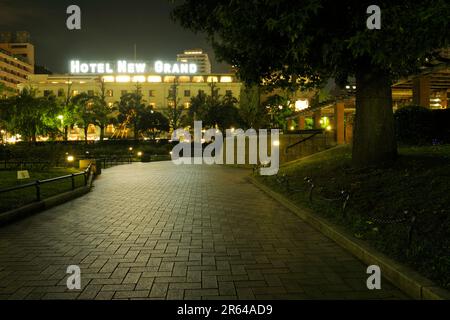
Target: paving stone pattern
{"points": [[160, 231]]}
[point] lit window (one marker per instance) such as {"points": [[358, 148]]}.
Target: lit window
{"points": [[184, 79], [226, 79], [301, 105], [123, 79], [197, 79], [212, 79], [169, 79], [154, 79], [108, 79], [139, 79]]}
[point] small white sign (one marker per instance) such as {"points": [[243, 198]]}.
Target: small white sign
{"points": [[23, 174]]}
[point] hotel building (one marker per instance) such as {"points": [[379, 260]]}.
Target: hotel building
{"points": [[198, 57], [154, 85], [16, 59]]}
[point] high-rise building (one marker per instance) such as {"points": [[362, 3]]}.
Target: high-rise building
{"points": [[16, 58], [198, 57]]}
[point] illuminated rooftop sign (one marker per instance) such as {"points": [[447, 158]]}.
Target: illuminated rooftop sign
{"points": [[123, 66]]}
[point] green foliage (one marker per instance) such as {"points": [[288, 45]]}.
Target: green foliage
{"points": [[413, 125], [152, 123], [175, 112], [214, 110], [28, 115], [131, 109], [418, 125], [278, 109], [252, 112], [417, 183], [317, 39]]}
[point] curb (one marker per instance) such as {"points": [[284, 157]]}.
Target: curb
{"points": [[406, 279], [35, 207]]}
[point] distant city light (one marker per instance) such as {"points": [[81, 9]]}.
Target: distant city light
{"points": [[301, 105]]}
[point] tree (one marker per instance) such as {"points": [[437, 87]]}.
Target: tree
{"points": [[306, 42], [28, 115], [278, 108], [66, 110], [131, 108], [214, 110], [252, 112], [103, 114], [175, 112], [225, 114], [198, 108], [152, 123], [84, 109]]}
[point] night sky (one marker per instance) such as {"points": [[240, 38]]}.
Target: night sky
{"points": [[109, 30]]}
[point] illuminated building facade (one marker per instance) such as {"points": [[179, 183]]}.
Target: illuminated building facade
{"points": [[16, 59], [154, 81], [198, 57]]}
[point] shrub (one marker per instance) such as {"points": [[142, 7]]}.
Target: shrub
{"points": [[414, 125]]}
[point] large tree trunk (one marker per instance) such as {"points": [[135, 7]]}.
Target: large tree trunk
{"points": [[374, 137]]}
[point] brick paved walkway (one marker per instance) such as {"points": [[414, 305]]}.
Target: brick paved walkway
{"points": [[161, 231]]}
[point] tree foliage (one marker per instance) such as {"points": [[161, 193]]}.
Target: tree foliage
{"points": [[28, 115], [289, 43]]}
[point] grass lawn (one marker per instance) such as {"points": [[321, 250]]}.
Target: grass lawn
{"points": [[419, 182], [17, 198]]}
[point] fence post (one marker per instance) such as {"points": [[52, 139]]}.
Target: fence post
{"points": [[73, 181], [38, 190]]}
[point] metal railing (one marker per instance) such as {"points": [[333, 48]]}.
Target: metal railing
{"points": [[38, 183]]}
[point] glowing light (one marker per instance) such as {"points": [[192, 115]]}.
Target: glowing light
{"points": [[212, 79], [328, 128], [292, 128], [123, 79], [226, 79], [108, 79], [139, 154], [130, 148], [154, 79], [61, 117], [198, 79], [276, 143], [301, 105], [70, 158], [138, 79]]}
